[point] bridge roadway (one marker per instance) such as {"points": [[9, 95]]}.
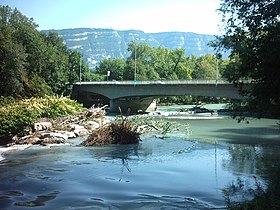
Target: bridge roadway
{"points": [[137, 95]]}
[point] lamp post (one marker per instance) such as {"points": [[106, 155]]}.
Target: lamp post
{"points": [[135, 66], [218, 56], [108, 74], [217, 71], [80, 70]]}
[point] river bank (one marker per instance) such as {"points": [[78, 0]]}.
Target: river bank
{"points": [[195, 127]]}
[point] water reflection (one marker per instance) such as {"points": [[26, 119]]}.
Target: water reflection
{"points": [[121, 153], [243, 159], [39, 201], [252, 159]]}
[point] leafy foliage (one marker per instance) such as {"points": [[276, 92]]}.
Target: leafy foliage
{"points": [[252, 34], [33, 63], [18, 116], [158, 63]]}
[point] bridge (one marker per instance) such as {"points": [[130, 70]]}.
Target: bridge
{"points": [[137, 95]]}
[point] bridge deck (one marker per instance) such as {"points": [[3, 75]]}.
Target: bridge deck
{"points": [[156, 82]]}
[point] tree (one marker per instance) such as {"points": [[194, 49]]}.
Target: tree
{"points": [[12, 58], [74, 63], [12, 67], [115, 66], [252, 34], [141, 54], [33, 63], [205, 67]]}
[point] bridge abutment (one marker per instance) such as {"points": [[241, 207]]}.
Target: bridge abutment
{"points": [[132, 105]]}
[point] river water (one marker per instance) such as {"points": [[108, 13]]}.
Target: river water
{"points": [[178, 172]]}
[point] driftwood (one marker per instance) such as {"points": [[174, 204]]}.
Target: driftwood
{"points": [[80, 118], [123, 132]]}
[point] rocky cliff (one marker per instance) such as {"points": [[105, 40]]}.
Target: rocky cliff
{"points": [[97, 44]]}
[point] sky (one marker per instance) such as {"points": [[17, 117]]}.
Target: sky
{"points": [[150, 16]]}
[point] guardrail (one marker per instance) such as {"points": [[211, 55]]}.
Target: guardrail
{"points": [[149, 82]]}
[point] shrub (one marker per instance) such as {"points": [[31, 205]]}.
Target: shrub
{"points": [[18, 116]]}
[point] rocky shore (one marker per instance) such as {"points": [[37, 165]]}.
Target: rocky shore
{"points": [[58, 131]]}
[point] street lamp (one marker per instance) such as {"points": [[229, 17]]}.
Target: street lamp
{"points": [[108, 74], [217, 71], [218, 56], [135, 66], [80, 70]]}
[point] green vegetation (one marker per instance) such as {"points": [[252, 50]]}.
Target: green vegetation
{"points": [[157, 63], [252, 35], [18, 116], [33, 63]]}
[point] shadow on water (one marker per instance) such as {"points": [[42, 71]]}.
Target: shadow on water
{"points": [[250, 135]]}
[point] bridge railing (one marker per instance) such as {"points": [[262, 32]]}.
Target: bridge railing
{"points": [[148, 82]]}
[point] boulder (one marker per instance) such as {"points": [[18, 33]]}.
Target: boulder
{"points": [[70, 134], [40, 126], [54, 135], [79, 130], [42, 138]]}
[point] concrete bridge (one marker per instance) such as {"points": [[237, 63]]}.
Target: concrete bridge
{"points": [[137, 95]]}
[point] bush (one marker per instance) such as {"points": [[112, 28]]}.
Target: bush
{"points": [[18, 116]]}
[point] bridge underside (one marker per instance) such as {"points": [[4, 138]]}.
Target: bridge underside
{"points": [[126, 104], [133, 105]]}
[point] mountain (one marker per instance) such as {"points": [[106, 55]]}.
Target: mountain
{"points": [[97, 44]]}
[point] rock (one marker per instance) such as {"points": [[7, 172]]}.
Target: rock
{"points": [[70, 134], [54, 135], [92, 125], [51, 138], [40, 126], [81, 132], [74, 127]]}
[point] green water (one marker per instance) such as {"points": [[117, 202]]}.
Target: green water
{"points": [[179, 172]]}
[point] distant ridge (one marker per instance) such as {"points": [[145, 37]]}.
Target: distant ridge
{"points": [[99, 43]]}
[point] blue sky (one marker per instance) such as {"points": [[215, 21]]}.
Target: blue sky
{"points": [[199, 16]]}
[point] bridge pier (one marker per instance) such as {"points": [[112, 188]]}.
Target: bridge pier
{"points": [[132, 105]]}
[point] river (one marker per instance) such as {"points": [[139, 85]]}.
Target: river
{"points": [[179, 172]]}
